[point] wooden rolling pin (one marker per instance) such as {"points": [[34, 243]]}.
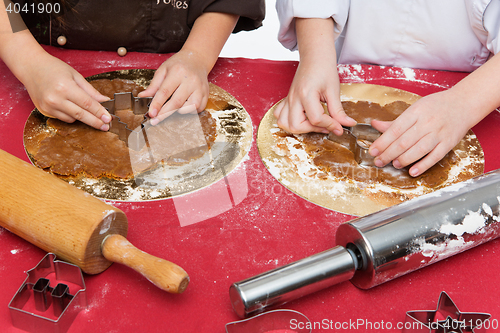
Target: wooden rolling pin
{"points": [[75, 226]]}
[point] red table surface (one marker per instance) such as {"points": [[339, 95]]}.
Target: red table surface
{"points": [[269, 228]]}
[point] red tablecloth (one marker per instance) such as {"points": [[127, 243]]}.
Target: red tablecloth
{"points": [[269, 228]]}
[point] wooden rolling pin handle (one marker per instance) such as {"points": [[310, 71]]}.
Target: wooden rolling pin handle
{"points": [[162, 273]]}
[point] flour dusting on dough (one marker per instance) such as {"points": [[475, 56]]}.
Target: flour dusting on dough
{"points": [[293, 157], [286, 159]]}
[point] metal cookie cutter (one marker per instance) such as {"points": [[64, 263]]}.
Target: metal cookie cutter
{"points": [[133, 138], [50, 297], [358, 139], [446, 318]]}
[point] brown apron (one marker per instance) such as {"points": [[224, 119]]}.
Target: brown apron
{"points": [[138, 25]]}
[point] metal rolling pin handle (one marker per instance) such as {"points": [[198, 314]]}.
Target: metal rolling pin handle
{"points": [[293, 281], [385, 245]]}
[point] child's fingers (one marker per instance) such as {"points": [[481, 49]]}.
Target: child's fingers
{"points": [[187, 108], [279, 108], [75, 112], [196, 102], [155, 83], [400, 146], [282, 118], [315, 113], [299, 122], [177, 99], [337, 112], [161, 117], [415, 152], [183, 101], [89, 89], [326, 124], [62, 116], [315, 117], [391, 137], [83, 107], [428, 161], [380, 125], [163, 92], [409, 147], [302, 125], [159, 102], [204, 102]]}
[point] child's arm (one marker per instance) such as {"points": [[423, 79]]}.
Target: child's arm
{"points": [[432, 126], [183, 77], [55, 88], [315, 81]]}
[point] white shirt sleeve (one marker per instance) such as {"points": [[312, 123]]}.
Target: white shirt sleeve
{"points": [[491, 22], [288, 10], [484, 17]]}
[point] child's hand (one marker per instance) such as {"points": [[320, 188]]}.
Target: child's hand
{"points": [[180, 84], [427, 130], [302, 112], [315, 81], [59, 91]]}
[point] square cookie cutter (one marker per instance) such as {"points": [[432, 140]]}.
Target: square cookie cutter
{"points": [[358, 139], [133, 138], [44, 303]]}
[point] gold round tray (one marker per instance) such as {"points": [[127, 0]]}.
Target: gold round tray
{"points": [[234, 139], [348, 196]]}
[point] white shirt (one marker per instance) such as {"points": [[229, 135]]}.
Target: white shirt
{"points": [[456, 35]]}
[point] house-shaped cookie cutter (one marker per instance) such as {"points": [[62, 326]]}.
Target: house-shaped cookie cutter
{"points": [[50, 298], [358, 139], [133, 138]]}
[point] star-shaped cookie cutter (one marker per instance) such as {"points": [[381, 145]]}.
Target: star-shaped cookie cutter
{"points": [[358, 139], [133, 138], [446, 319], [50, 298]]}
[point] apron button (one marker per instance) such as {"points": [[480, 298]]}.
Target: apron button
{"points": [[61, 40], [122, 51]]}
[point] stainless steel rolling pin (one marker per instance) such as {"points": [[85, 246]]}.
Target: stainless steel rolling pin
{"points": [[385, 245]]}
